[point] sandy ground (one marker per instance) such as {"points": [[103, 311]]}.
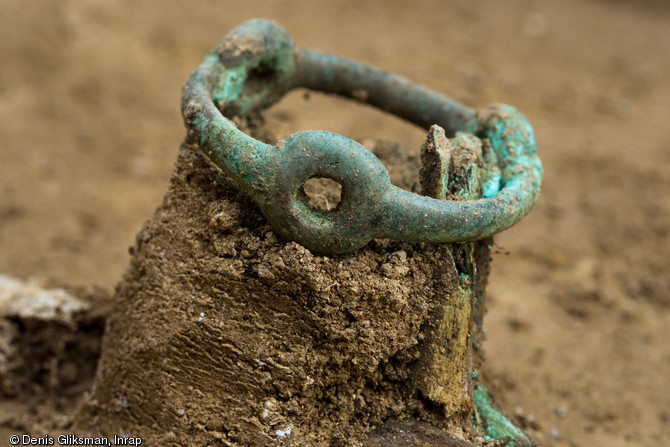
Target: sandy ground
{"points": [[580, 293]]}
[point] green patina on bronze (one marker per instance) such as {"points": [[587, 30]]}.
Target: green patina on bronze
{"points": [[256, 64], [494, 424]]}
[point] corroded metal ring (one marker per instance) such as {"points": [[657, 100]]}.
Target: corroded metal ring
{"points": [[256, 64]]}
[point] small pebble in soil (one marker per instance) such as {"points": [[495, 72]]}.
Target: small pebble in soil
{"points": [[561, 412]]}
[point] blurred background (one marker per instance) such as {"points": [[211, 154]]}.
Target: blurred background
{"points": [[579, 317]]}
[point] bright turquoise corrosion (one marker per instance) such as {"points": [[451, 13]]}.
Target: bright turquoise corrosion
{"points": [[256, 64], [495, 424]]}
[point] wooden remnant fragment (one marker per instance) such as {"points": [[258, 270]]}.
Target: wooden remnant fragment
{"points": [[450, 171]]}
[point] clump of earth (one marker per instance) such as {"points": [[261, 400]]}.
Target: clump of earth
{"points": [[222, 332]]}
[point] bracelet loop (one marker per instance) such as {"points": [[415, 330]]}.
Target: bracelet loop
{"points": [[256, 64]]}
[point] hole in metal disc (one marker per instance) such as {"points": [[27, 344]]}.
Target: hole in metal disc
{"points": [[324, 194]]}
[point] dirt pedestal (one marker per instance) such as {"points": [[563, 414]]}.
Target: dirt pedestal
{"points": [[223, 334]]}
